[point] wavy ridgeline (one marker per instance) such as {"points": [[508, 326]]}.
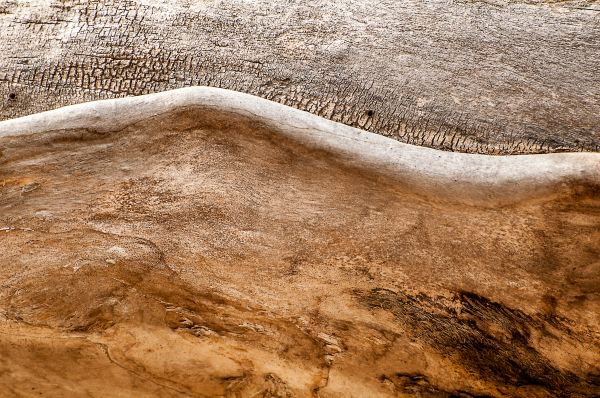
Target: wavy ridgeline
{"points": [[203, 242], [466, 178]]}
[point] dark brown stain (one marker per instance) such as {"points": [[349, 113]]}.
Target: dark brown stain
{"points": [[484, 336]]}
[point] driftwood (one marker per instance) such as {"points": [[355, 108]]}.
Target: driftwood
{"points": [[472, 76], [203, 242]]}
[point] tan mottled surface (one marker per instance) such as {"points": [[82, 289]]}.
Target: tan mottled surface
{"points": [[204, 252]]}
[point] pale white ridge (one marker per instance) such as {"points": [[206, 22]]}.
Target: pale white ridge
{"points": [[466, 178]]}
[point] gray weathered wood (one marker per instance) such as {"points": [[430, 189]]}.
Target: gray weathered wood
{"points": [[489, 77]]}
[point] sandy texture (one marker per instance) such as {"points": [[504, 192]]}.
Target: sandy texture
{"points": [[207, 243]]}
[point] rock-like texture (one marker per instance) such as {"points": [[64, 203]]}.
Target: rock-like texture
{"points": [[206, 243], [472, 76]]}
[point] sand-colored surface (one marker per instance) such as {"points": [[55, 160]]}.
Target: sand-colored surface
{"points": [[206, 243]]}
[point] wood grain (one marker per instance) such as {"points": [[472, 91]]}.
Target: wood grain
{"points": [[240, 248]]}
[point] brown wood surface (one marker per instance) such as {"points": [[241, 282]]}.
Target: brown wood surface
{"points": [[205, 252]]}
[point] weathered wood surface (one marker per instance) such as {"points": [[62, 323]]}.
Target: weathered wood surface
{"points": [[474, 76], [206, 243]]}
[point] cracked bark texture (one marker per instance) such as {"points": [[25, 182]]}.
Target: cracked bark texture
{"points": [[486, 77]]}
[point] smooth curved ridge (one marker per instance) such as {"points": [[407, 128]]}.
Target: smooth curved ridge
{"points": [[481, 180]]}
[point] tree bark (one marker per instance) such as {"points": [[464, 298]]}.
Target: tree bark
{"points": [[486, 77]]}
